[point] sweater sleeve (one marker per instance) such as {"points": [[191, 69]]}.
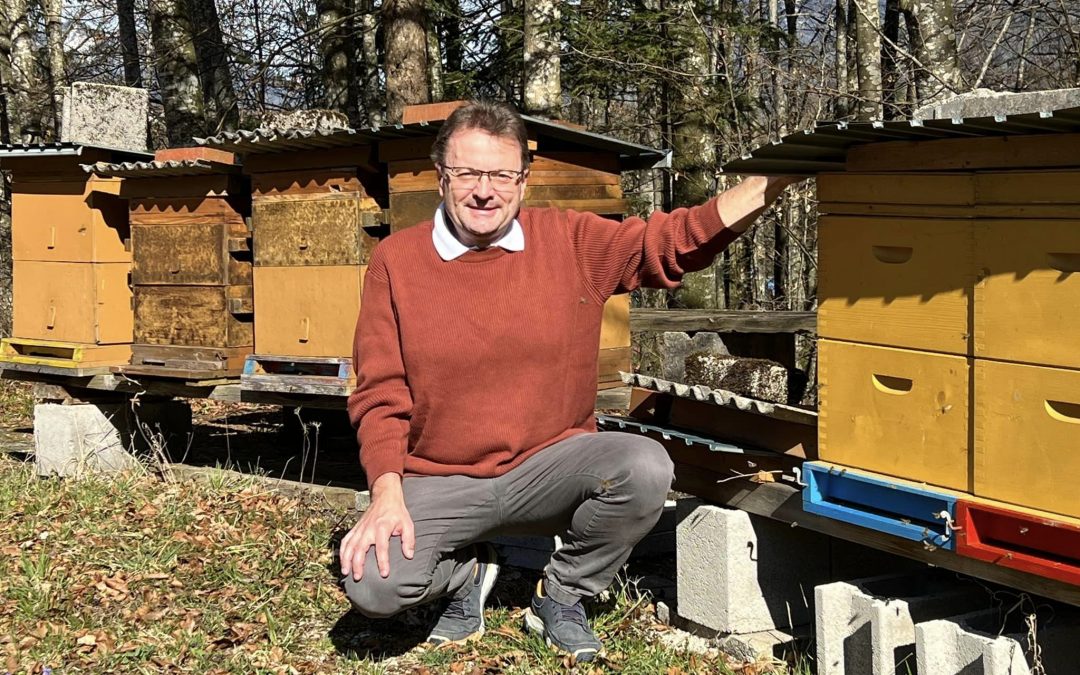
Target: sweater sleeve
{"points": [[381, 404], [622, 256]]}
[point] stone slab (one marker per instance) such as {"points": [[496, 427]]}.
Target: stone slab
{"points": [[989, 103], [738, 573], [677, 346], [106, 115]]}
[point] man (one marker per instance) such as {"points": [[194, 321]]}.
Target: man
{"points": [[476, 354]]}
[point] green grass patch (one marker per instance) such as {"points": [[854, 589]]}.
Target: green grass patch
{"points": [[140, 575]]}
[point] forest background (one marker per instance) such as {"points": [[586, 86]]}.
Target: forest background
{"points": [[707, 79]]}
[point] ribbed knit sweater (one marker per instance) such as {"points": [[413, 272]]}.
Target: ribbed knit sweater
{"points": [[472, 365]]}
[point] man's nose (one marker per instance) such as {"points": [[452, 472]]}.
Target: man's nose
{"points": [[484, 188]]}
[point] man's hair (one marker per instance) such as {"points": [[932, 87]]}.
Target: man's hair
{"points": [[497, 119]]}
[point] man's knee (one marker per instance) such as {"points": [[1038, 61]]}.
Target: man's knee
{"points": [[375, 597], [646, 466]]}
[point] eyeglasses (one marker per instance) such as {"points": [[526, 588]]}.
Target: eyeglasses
{"points": [[467, 177]]}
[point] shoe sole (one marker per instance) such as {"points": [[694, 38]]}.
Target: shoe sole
{"points": [[486, 585], [534, 624]]}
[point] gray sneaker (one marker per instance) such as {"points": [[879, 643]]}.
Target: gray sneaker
{"points": [[563, 626], [463, 618]]}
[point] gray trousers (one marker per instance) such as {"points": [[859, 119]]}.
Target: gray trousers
{"points": [[601, 492]]}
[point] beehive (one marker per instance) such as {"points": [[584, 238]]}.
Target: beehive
{"points": [[70, 237]]}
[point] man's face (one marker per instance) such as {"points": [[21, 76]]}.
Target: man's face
{"points": [[481, 210]]}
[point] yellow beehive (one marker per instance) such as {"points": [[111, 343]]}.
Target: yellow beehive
{"points": [[86, 303], [1027, 435], [902, 282], [69, 221], [1026, 298], [898, 412]]}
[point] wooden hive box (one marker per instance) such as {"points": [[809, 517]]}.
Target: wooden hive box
{"points": [[994, 223], [71, 259], [315, 221], [191, 271], [558, 176]]}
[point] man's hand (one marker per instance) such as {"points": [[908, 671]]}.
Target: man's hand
{"points": [[386, 517]]}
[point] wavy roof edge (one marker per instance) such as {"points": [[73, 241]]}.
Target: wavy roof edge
{"points": [[171, 168], [824, 147], [65, 149], [259, 141]]}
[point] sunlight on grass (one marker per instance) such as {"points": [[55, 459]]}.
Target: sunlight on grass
{"points": [[140, 574]]}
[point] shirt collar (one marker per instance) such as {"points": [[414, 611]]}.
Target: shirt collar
{"points": [[449, 248]]}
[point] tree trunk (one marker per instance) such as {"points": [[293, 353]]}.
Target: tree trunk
{"points": [[934, 45], [57, 79], [890, 74], [177, 70], [543, 88], [434, 57], [219, 96], [693, 140], [337, 50], [129, 42], [406, 56], [24, 119], [867, 21]]}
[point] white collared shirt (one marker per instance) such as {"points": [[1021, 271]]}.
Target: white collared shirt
{"points": [[449, 248]]}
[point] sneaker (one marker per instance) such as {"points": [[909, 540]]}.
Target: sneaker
{"points": [[463, 618], [563, 626]]}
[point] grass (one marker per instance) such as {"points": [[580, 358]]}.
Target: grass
{"points": [[136, 574]]}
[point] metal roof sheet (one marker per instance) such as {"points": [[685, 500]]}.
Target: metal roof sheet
{"points": [[185, 167], [720, 397], [64, 149], [824, 148], [631, 155]]}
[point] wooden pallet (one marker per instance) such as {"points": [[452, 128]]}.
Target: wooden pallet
{"points": [[889, 505], [75, 358], [1019, 540], [186, 363], [331, 375]]}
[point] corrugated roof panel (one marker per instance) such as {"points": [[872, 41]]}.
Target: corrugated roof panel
{"points": [[170, 168], [798, 152], [63, 149]]}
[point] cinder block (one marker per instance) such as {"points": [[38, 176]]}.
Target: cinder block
{"points": [[106, 115], [989, 644], [73, 440], [738, 573], [756, 378], [868, 625]]}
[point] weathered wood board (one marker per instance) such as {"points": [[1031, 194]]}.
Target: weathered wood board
{"points": [[322, 230], [930, 195], [899, 412], [190, 254], [70, 357], [610, 363], [951, 154], [72, 302], [203, 316], [186, 362]]}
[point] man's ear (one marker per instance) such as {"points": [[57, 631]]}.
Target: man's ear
{"points": [[524, 184], [439, 176]]}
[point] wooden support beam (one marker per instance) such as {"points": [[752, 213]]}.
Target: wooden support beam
{"points": [[687, 320]]}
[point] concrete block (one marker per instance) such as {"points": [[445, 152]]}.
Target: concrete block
{"points": [[106, 115], [867, 626], [738, 573], [988, 103], [73, 440], [314, 118], [677, 346], [987, 643], [756, 378]]}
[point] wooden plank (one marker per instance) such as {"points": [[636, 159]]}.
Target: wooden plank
{"points": [[689, 320], [725, 424], [887, 189], [613, 398], [295, 316], [420, 175], [611, 362], [412, 208], [615, 323], [192, 316], [178, 357], [603, 207], [1006, 152], [406, 148], [312, 182], [322, 231], [429, 112], [179, 187], [229, 210], [76, 220]]}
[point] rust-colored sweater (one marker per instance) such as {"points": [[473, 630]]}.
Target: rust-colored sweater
{"points": [[471, 366]]}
